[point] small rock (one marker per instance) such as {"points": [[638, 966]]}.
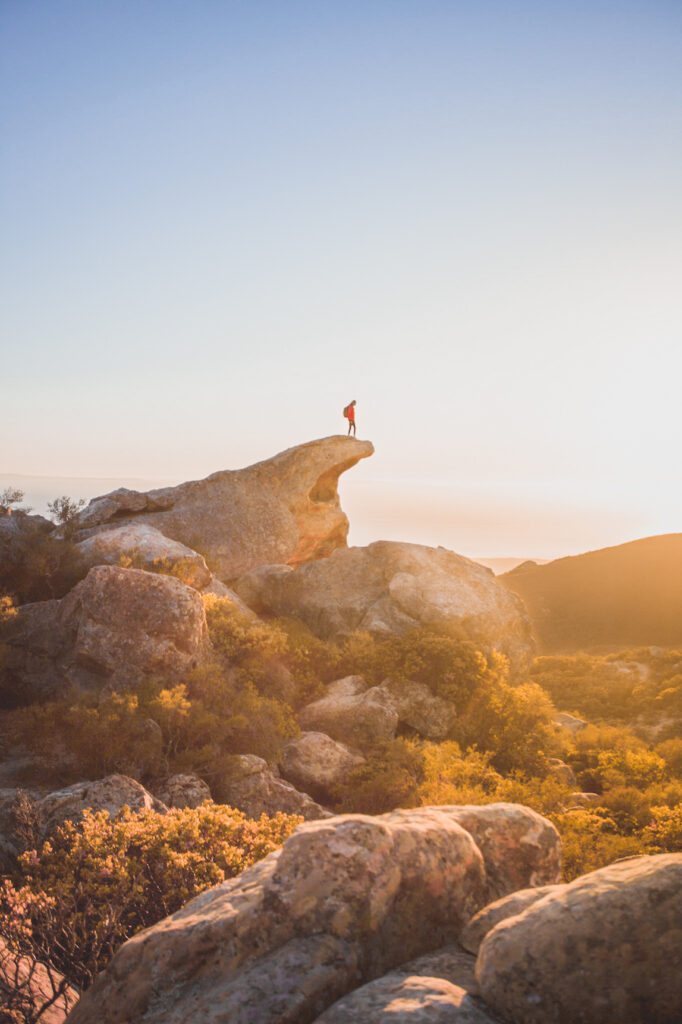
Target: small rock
{"points": [[562, 771], [154, 551], [254, 789], [358, 719], [108, 794], [184, 791], [316, 763], [565, 721]]}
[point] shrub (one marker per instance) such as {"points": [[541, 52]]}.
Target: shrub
{"points": [[664, 831], [590, 840], [389, 778], [95, 884]]}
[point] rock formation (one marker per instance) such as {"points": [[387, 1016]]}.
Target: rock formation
{"points": [[606, 947], [116, 626], [390, 587], [341, 903], [285, 509]]}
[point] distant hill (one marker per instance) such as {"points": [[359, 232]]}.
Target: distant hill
{"points": [[624, 596], [501, 565]]}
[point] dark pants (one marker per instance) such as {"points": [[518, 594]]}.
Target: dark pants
{"points": [[351, 426]]}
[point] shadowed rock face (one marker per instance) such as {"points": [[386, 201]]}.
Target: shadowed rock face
{"points": [[284, 510], [390, 587]]}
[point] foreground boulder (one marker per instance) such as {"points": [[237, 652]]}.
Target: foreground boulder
{"points": [[109, 794], [316, 763], [148, 547], [253, 788], [344, 901], [391, 587], [285, 509], [115, 627], [606, 947]]}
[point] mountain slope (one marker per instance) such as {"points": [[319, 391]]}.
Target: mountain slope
{"points": [[624, 596]]}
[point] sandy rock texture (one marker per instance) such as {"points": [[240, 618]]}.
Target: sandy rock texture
{"points": [[606, 947], [108, 794], [315, 763], [389, 587], [115, 626], [285, 509], [151, 548], [254, 788], [343, 902]]}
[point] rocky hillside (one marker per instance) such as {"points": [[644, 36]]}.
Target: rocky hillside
{"points": [[215, 666], [614, 598]]}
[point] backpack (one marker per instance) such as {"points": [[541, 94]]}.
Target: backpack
{"points": [[345, 411]]}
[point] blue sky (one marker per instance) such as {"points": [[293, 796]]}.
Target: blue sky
{"points": [[221, 221]]}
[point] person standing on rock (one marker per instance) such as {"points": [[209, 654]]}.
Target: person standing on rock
{"points": [[349, 413]]}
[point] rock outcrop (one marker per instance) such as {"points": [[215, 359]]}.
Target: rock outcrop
{"points": [[316, 763], [343, 902], [390, 587], [115, 627], [606, 947], [285, 509], [151, 549], [253, 788], [109, 794], [184, 791]]}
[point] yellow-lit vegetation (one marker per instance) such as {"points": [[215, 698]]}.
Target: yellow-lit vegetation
{"points": [[244, 700]]}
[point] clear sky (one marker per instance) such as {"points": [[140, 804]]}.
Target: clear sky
{"points": [[223, 220]]}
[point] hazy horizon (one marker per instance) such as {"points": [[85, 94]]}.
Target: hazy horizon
{"points": [[223, 221]]}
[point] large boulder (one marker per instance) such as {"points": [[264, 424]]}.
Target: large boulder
{"points": [[253, 788], [352, 714], [389, 587], [343, 902], [521, 849], [147, 546], [606, 947], [115, 627], [316, 763], [109, 794], [285, 509]]}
